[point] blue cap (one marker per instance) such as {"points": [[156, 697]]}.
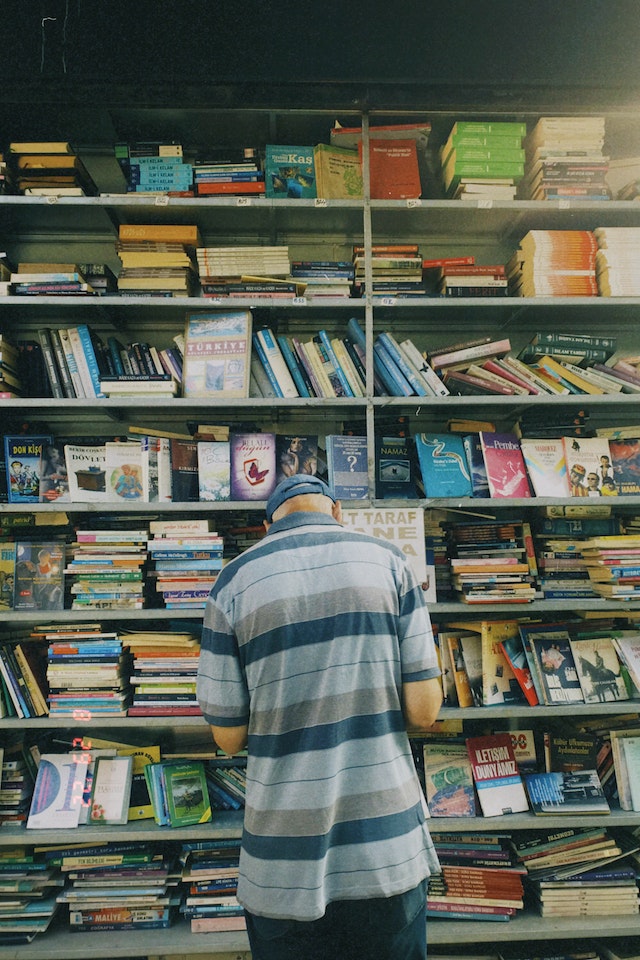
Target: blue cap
{"points": [[296, 486]]}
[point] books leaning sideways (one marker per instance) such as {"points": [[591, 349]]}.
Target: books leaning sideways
{"points": [[50, 279], [565, 160], [28, 889], [480, 880], [483, 159], [165, 666], [119, 886], [153, 266], [209, 883], [105, 569], [88, 671], [187, 563], [155, 167], [239, 175], [49, 168]]}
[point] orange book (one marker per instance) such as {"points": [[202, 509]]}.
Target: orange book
{"points": [[187, 234]]}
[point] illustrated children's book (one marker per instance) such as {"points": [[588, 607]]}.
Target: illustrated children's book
{"points": [[506, 472], [289, 172], [253, 465], [443, 465], [124, 472], [23, 457], [496, 775]]}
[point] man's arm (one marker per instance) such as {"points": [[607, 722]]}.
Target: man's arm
{"points": [[421, 702], [230, 739]]}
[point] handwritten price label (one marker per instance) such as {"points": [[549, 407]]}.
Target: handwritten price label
{"points": [[52, 199], [300, 301], [485, 204], [243, 202], [564, 204], [320, 202], [162, 201], [388, 301], [414, 203]]}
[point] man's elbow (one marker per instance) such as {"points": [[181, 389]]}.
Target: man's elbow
{"points": [[230, 739], [422, 702]]}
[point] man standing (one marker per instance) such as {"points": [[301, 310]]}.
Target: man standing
{"points": [[317, 653]]}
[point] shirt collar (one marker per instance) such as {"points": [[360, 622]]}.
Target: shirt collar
{"points": [[302, 518]]}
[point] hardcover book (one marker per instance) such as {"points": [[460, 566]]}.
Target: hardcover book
{"points": [[214, 470], [289, 172], [253, 465], [506, 473], [448, 780], [443, 465], [496, 775], [576, 792], [23, 459], [546, 466], [217, 354], [39, 575], [347, 466]]}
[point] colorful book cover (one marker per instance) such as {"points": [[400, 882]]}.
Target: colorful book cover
{"points": [[496, 775], [185, 785], [556, 665], [589, 466], [289, 172], [347, 466], [499, 683], [253, 465], [448, 780], [598, 669], [506, 472], [475, 462], [546, 466], [575, 792], [23, 458], [296, 454], [443, 465], [514, 652], [214, 469], [124, 473], [217, 354], [7, 574], [394, 469], [55, 802], [625, 458], [54, 481], [39, 576], [86, 472]]}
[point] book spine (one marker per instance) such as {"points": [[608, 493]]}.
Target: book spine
{"points": [[356, 361], [80, 362], [276, 361], [12, 686], [44, 337], [92, 359], [431, 378], [37, 696], [390, 372], [326, 343], [259, 349], [481, 351], [293, 365], [301, 353], [348, 366], [313, 357], [392, 347]]}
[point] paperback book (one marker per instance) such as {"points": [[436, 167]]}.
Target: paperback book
{"points": [[496, 775], [448, 780], [23, 459], [217, 355], [506, 472], [443, 465], [575, 792], [253, 465], [347, 466], [289, 172]]}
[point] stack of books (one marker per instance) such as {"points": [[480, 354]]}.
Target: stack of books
{"points": [[49, 168], [490, 563], [120, 887], [247, 271], [100, 277], [324, 278], [186, 565], [165, 666], [483, 158], [88, 672], [49, 279], [239, 176], [155, 167], [210, 881], [559, 541], [474, 280], [613, 566], [138, 368], [155, 266], [105, 569], [480, 879], [396, 271], [554, 263], [28, 889], [564, 160], [616, 261], [227, 781]]}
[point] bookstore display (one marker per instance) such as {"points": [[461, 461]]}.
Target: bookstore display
{"points": [[435, 314]]}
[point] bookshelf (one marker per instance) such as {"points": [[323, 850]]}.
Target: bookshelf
{"points": [[86, 229]]}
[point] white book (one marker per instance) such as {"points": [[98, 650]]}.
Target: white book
{"points": [[70, 358], [164, 470], [428, 374], [57, 793], [124, 473], [86, 472], [214, 469], [111, 790], [81, 362]]}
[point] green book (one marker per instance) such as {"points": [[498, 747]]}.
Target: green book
{"points": [[515, 127], [185, 785]]}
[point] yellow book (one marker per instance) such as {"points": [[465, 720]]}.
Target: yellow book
{"points": [[558, 369]]}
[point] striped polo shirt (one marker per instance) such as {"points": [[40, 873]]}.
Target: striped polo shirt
{"points": [[308, 637]]}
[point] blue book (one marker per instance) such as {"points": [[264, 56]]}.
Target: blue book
{"points": [[257, 346], [347, 466], [323, 338], [115, 347], [292, 362], [389, 343], [90, 354], [477, 468], [389, 372], [289, 172], [443, 465]]}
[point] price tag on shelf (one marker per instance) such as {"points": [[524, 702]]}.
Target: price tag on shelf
{"points": [[52, 199], [243, 202], [162, 201], [214, 299], [564, 204], [388, 301], [485, 203], [414, 202], [300, 301], [320, 202]]}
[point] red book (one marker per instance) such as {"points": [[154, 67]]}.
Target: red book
{"points": [[475, 269], [506, 472], [447, 262], [393, 168], [242, 187], [496, 775]]}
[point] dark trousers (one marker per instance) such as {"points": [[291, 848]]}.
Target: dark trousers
{"points": [[392, 928]]}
